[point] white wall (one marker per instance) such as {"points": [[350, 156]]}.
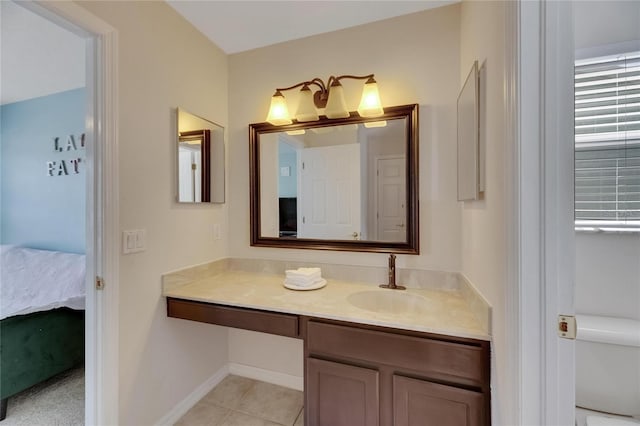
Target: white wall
{"points": [[484, 232], [163, 63], [607, 265], [608, 274], [416, 60], [598, 23]]}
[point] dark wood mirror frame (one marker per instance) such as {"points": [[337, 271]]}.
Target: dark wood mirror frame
{"points": [[410, 246]]}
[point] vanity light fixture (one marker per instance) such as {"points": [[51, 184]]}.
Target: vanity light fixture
{"points": [[330, 96]]}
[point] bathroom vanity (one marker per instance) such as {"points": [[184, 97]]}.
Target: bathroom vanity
{"points": [[372, 356]]}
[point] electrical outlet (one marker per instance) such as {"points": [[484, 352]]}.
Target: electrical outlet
{"points": [[216, 231]]}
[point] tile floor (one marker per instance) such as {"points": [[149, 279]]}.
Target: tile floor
{"points": [[238, 401]]}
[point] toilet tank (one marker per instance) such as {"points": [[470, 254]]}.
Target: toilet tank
{"points": [[608, 364]]}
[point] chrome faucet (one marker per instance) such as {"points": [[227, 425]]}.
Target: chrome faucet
{"points": [[392, 275]]}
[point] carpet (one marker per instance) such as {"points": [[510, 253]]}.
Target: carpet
{"points": [[58, 401]]}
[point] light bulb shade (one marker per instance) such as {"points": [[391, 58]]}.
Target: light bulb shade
{"points": [[373, 124], [370, 105], [296, 132], [336, 105], [306, 108], [278, 112]]}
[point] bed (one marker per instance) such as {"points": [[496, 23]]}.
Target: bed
{"points": [[42, 298]]}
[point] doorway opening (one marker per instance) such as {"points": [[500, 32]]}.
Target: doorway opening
{"points": [[607, 211], [43, 219], [99, 41]]}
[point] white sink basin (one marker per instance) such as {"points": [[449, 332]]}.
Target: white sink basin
{"points": [[389, 302]]}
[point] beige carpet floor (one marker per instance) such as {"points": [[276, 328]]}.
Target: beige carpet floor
{"points": [[58, 401]]}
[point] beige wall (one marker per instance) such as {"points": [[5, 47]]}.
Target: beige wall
{"points": [[416, 60], [163, 63], [484, 232]]}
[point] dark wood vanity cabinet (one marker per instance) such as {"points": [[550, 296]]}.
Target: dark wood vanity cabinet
{"points": [[421, 402], [362, 375], [368, 376], [341, 394]]}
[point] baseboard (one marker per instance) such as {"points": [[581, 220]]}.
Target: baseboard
{"points": [[192, 399], [274, 377]]}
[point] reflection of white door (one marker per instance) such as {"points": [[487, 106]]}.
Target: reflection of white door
{"points": [[330, 196], [189, 188], [391, 199]]}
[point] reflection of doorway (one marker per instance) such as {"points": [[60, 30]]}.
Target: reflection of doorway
{"points": [[194, 170], [189, 173], [391, 188], [330, 195]]}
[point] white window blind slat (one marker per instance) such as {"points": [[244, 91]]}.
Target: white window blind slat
{"points": [[607, 140]]}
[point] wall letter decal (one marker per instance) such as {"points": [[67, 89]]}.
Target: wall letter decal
{"points": [[62, 169], [51, 165], [75, 162], [71, 143], [55, 168]]}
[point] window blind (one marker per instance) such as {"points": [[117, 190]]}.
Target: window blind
{"points": [[607, 139]]}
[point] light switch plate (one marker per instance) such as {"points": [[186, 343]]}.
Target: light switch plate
{"points": [[141, 237], [134, 241]]}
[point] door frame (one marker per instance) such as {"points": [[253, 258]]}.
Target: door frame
{"points": [[539, 121], [102, 226]]}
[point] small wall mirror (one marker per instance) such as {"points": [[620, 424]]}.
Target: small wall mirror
{"points": [[469, 138], [342, 184], [200, 160]]}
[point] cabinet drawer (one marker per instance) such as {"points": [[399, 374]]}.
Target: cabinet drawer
{"points": [[455, 362], [248, 319]]}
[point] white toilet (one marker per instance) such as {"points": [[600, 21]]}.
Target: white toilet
{"points": [[607, 371]]}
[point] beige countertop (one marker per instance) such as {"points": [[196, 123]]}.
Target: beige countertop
{"points": [[440, 311]]}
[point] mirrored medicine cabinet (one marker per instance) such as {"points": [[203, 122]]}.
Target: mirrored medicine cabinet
{"points": [[200, 158]]}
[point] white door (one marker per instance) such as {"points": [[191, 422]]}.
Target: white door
{"points": [[190, 175], [391, 198], [330, 181]]}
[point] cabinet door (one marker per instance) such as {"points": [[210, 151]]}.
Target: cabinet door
{"points": [[341, 395], [422, 403]]}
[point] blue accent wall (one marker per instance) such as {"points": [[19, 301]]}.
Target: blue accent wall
{"points": [[287, 185], [43, 189]]}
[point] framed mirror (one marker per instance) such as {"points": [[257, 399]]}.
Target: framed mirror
{"points": [[200, 157], [337, 184]]}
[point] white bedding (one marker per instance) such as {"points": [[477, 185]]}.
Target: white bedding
{"points": [[39, 280]]}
